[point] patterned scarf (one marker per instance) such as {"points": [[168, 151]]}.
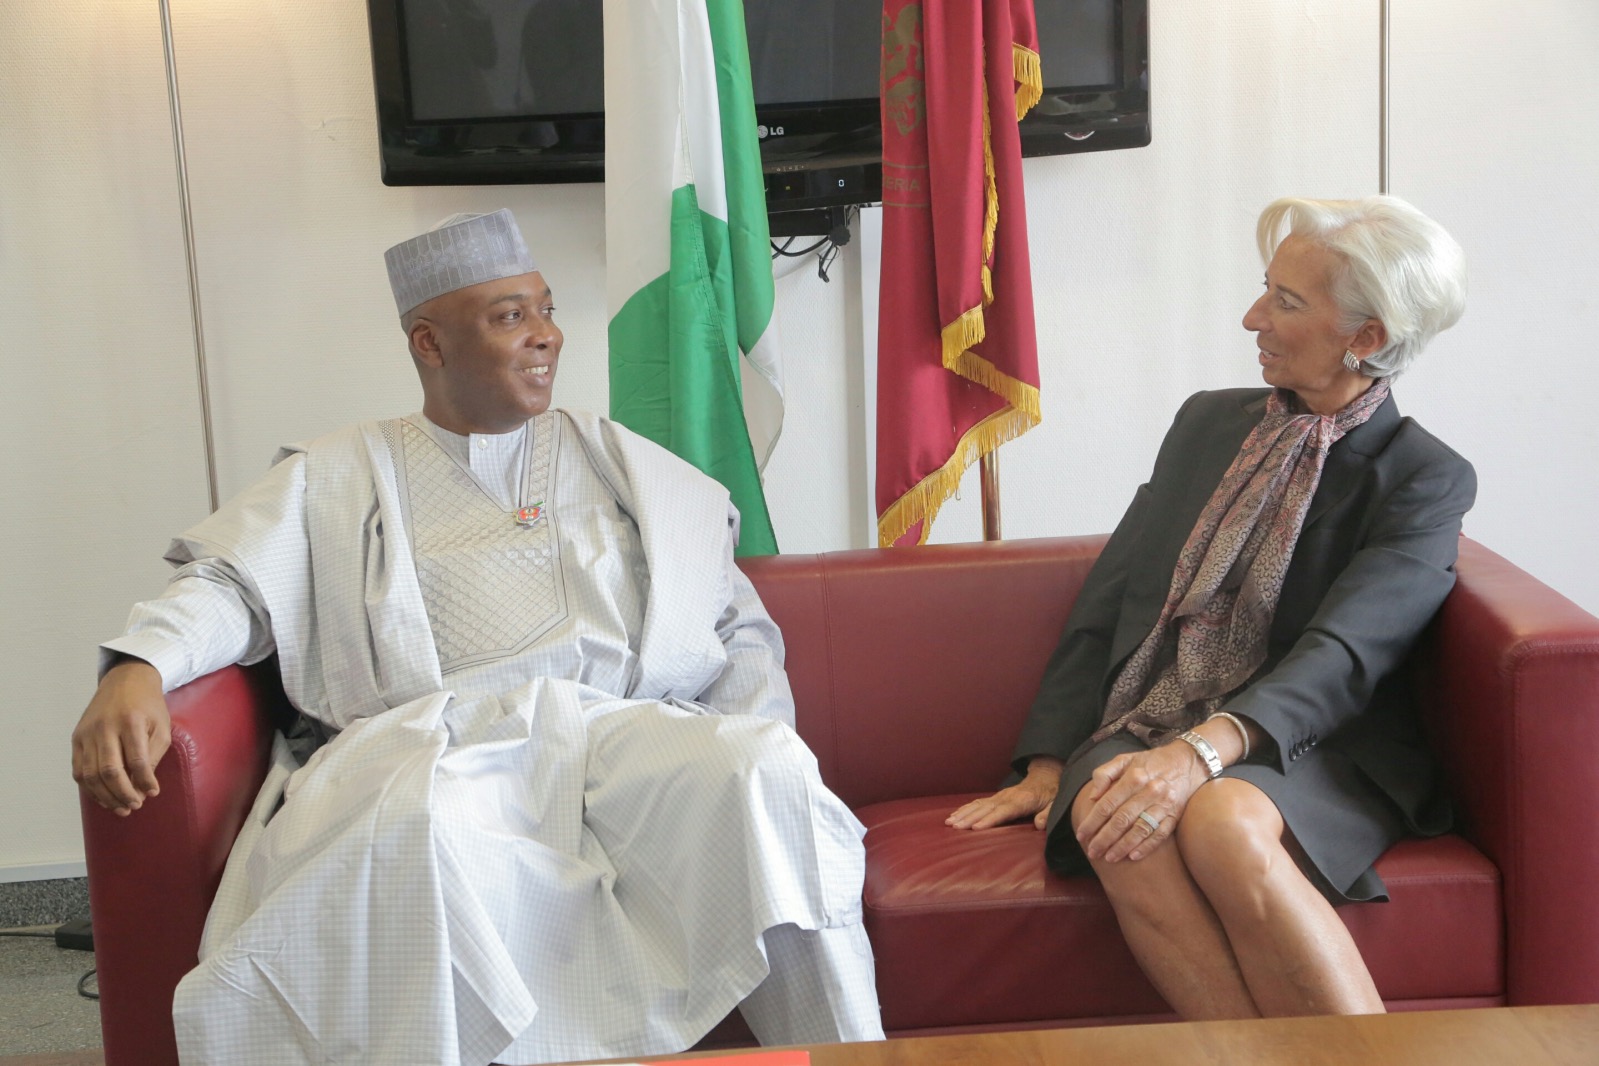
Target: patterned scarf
{"points": [[1211, 635]]}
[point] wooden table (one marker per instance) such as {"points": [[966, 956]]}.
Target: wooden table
{"points": [[1502, 1036]]}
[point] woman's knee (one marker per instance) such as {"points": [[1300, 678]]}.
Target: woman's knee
{"points": [[1145, 885], [1080, 808], [1230, 837]]}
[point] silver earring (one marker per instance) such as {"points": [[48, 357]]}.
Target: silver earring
{"points": [[1350, 361]]}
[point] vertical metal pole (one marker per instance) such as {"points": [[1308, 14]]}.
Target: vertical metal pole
{"points": [[1383, 39], [989, 468], [188, 247]]}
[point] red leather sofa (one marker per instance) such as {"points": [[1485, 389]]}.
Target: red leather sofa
{"points": [[912, 669]]}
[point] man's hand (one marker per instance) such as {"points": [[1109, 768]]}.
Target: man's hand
{"points": [[121, 737], [1029, 797]]}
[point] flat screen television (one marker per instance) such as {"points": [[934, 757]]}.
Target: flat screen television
{"points": [[476, 92]]}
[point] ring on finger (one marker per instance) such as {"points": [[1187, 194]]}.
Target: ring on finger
{"points": [[1149, 821]]}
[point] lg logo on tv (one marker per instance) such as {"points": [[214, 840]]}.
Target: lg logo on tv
{"points": [[764, 132]]}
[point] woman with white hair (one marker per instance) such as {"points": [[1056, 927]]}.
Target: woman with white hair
{"points": [[1225, 734]]}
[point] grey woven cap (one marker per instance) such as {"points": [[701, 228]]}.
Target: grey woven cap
{"points": [[461, 250]]}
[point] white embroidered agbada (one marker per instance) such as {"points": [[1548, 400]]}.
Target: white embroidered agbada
{"points": [[510, 850]]}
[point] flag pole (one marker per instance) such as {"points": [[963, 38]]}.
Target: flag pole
{"points": [[202, 374], [989, 465]]}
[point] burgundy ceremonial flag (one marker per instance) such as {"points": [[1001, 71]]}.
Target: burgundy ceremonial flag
{"points": [[957, 355]]}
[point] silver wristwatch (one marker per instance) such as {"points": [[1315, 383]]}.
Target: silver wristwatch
{"points": [[1212, 761]]}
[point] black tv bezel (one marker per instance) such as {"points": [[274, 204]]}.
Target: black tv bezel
{"points": [[828, 155]]}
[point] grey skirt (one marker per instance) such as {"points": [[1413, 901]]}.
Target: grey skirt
{"points": [[1341, 820]]}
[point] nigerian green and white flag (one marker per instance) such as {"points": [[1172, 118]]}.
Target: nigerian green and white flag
{"points": [[694, 357]]}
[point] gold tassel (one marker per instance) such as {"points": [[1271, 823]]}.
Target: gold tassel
{"points": [[923, 501], [965, 332], [990, 202], [980, 371], [1029, 78]]}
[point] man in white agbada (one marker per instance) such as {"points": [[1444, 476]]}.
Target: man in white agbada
{"points": [[562, 813]]}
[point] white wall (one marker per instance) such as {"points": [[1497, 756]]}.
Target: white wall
{"points": [[98, 414], [1496, 134], [1142, 261]]}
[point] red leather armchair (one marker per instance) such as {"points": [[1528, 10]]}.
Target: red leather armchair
{"points": [[912, 670]]}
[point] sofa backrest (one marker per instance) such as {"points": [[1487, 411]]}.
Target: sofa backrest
{"points": [[914, 668]]}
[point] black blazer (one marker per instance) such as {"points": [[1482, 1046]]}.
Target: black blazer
{"points": [[1373, 563]]}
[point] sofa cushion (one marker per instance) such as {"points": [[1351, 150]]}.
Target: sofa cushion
{"points": [[971, 928], [1442, 932]]}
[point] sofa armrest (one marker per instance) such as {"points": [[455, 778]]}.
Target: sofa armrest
{"points": [[152, 875], [1513, 711]]}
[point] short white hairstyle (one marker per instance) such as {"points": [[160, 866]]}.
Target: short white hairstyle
{"points": [[1396, 265]]}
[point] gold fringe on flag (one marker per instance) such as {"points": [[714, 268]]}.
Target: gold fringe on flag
{"points": [[1029, 78], [990, 203], [922, 503], [965, 332], [980, 371]]}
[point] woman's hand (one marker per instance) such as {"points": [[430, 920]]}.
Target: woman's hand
{"points": [[1031, 796], [1156, 783]]}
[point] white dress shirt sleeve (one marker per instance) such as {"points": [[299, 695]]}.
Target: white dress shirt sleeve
{"points": [[202, 622], [753, 681]]}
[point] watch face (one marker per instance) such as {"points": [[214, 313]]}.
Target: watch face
{"points": [[1207, 753]]}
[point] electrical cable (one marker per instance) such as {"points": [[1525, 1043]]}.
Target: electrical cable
{"points": [[827, 248], [82, 981], [837, 238], [825, 260], [783, 251]]}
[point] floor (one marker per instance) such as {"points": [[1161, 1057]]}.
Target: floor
{"points": [[42, 1016]]}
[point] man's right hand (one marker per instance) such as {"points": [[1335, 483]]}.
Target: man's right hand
{"points": [[121, 737], [1032, 797]]}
